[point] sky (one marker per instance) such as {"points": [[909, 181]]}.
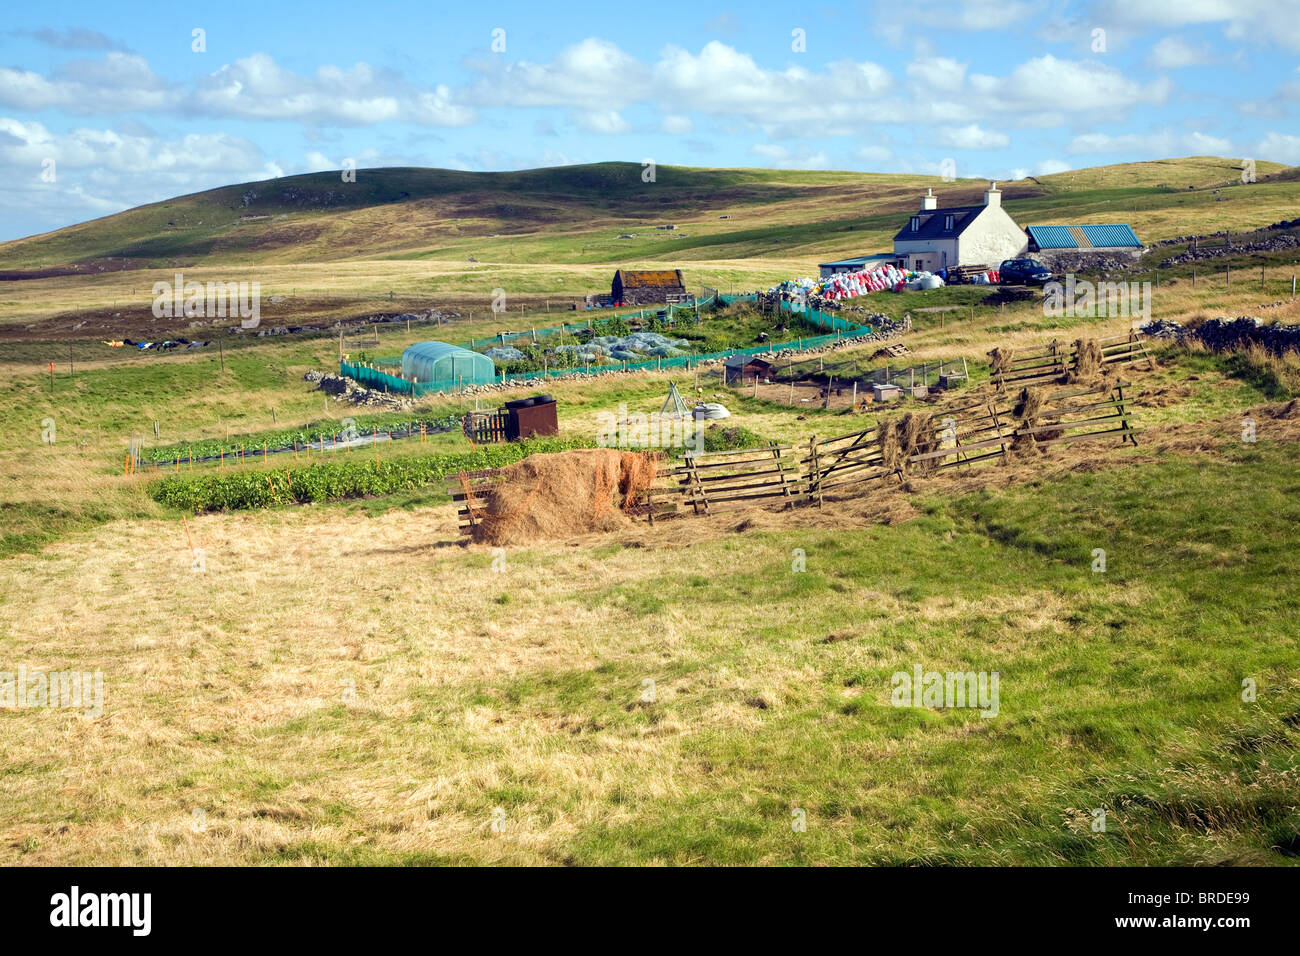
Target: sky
{"points": [[105, 106]]}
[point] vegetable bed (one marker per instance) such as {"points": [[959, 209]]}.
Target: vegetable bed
{"points": [[337, 480]]}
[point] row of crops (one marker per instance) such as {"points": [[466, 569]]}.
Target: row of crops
{"points": [[316, 433], [337, 480]]}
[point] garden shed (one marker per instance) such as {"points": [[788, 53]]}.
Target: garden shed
{"points": [[641, 286], [438, 362], [742, 368]]}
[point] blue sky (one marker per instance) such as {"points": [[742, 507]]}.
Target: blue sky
{"points": [[128, 112]]}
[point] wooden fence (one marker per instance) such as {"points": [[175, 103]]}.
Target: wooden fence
{"points": [[960, 437], [485, 427], [464, 489], [1056, 360], [715, 481], [921, 441]]}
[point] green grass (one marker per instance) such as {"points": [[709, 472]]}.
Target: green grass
{"points": [[1127, 697]]}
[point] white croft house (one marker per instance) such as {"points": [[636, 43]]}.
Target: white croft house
{"points": [[936, 239]]}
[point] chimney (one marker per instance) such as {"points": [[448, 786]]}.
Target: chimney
{"points": [[929, 200], [992, 195]]}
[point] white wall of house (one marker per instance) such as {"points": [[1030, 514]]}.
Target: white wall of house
{"points": [[928, 254], [992, 237]]}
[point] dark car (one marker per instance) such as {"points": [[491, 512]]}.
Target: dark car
{"points": [[1024, 272]]}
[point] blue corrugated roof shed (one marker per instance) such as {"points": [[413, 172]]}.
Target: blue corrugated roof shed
{"points": [[1052, 237], [1099, 235], [1112, 235]]}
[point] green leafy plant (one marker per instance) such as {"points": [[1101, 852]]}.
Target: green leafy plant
{"points": [[337, 480]]}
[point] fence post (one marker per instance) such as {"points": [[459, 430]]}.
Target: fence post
{"points": [[814, 472]]}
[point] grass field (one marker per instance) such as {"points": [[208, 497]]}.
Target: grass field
{"points": [[349, 683]]}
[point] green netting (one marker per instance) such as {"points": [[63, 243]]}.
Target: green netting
{"points": [[374, 378], [839, 330]]}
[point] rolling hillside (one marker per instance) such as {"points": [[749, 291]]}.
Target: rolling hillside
{"points": [[575, 214]]}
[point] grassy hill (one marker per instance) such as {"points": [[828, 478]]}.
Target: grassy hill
{"points": [[345, 683], [575, 214]]}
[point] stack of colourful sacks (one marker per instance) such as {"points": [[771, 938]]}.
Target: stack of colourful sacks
{"points": [[850, 285]]}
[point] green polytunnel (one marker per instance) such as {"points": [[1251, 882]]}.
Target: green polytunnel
{"points": [[438, 362]]}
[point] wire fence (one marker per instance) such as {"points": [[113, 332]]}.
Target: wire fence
{"points": [[838, 329]]}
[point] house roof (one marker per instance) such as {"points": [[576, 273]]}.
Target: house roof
{"points": [[650, 278], [934, 221], [856, 260], [740, 361], [1084, 236]]}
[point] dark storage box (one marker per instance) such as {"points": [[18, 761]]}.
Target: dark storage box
{"points": [[539, 418]]}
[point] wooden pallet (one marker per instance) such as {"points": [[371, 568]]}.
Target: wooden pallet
{"points": [[463, 488], [891, 351]]}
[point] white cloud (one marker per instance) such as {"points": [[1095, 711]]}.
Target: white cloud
{"points": [[676, 125], [1154, 144], [1279, 148], [1277, 21], [1049, 167], [970, 137], [720, 80], [254, 87], [604, 122], [780, 157], [118, 83], [975, 15], [595, 76], [100, 171], [592, 74], [438, 109], [1049, 87], [257, 87], [937, 73], [1173, 53]]}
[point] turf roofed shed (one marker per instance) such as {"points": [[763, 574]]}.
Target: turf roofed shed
{"points": [[638, 286], [438, 362]]}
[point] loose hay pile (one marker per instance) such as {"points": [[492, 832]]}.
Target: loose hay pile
{"points": [[901, 438], [1000, 360], [1028, 408], [1088, 361], [560, 495]]}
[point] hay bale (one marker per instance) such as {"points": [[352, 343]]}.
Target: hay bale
{"points": [[560, 495], [901, 438], [1088, 361], [918, 438], [1028, 405], [890, 447]]}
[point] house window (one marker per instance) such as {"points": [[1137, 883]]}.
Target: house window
{"points": [[947, 223], [916, 223]]}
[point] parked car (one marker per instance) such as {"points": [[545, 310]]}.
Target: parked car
{"points": [[1024, 272]]}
